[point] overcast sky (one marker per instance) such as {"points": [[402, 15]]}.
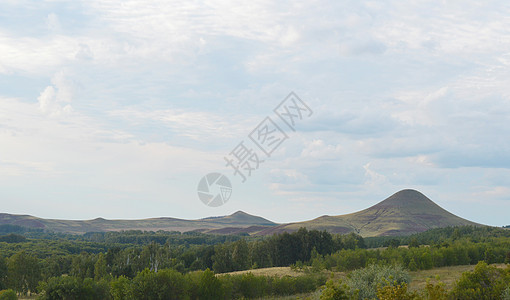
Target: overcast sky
{"points": [[117, 109]]}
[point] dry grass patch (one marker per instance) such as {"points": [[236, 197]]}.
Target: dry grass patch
{"points": [[276, 271], [448, 275]]}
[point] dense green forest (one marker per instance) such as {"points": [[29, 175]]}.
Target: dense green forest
{"points": [[156, 265]]}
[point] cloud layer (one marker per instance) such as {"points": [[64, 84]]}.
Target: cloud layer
{"points": [[117, 108]]}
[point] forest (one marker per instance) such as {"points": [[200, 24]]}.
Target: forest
{"points": [[174, 265]]}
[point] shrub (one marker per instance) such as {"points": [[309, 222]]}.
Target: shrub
{"points": [[506, 294], [251, 286], [435, 291], [367, 280], [164, 284], [484, 282], [8, 295], [204, 285], [394, 291], [70, 287], [335, 290], [412, 265]]}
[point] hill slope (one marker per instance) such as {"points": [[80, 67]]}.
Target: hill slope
{"points": [[405, 212], [239, 220]]}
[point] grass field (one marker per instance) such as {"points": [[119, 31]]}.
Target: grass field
{"points": [[448, 275]]}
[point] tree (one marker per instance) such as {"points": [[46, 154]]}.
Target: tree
{"points": [[120, 288], [100, 267], [260, 255], [13, 238], [3, 273], [222, 258], [353, 241], [414, 243], [165, 284], [426, 260], [335, 290], [484, 282], [83, 265], [393, 243], [56, 265], [204, 285], [24, 272], [412, 265], [240, 259], [71, 287]]}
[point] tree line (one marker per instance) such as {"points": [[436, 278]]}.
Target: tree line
{"points": [[26, 261], [170, 284]]}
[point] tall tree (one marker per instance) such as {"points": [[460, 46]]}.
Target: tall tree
{"points": [[240, 254], [3, 273], [24, 272], [100, 267]]}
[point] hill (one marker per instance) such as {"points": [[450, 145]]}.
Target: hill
{"points": [[238, 220], [405, 212]]}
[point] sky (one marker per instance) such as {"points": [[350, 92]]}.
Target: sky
{"points": [[117, 109]]}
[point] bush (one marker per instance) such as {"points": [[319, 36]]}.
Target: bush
{"points": [[70, 287], [204, 285], [394, 291], [8, 295], [435, 291], [335, 290], [484, 282], [251, 286], [412, 265], [164, 284], [506, 294], [367, 280]]}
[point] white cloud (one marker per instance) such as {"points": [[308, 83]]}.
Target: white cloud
{"points": [[373, 178], [196, 125], [34, 55], [404, 94], [317, 149], [53, 100], [362, 46], [52, 22]]}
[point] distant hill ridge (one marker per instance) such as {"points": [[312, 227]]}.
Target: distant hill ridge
{"points": [[405, 212], [237, 219]]}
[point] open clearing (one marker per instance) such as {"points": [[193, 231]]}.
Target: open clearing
{"points": [[448, 275]]}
